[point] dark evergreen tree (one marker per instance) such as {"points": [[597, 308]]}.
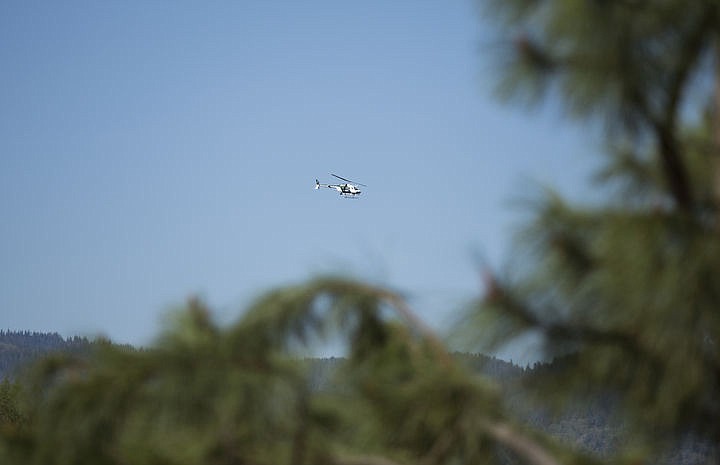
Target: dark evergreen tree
{"points": [[633, 285]]}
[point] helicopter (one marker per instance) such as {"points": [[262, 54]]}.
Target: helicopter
{"points": [[349, 189]]}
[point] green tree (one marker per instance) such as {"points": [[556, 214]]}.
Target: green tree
{"points": [[208, 395], [630, 288], [632, 285], [10, 413]]}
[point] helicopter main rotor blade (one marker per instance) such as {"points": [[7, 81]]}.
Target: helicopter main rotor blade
{"points": [[340, 177], [347, 180]]}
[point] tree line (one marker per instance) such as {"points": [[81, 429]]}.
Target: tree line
{"points": [[589, 424], [628, 285], [18, 348]]}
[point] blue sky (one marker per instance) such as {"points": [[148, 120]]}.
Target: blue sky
{"points": [[152, 150]]}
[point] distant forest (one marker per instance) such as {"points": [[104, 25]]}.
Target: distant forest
{"points": [[588, 424], [18, 348]]}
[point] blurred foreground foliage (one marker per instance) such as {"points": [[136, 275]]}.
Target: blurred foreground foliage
{"points": [[629, 285], [239, 395], [630, 288]]}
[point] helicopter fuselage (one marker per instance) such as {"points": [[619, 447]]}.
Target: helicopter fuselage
{"points": [[346, 189]]}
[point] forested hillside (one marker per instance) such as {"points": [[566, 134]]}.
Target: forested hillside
{"points": [[588, 423], [20, 347]]}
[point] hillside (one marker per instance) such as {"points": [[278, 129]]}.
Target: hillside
{"points": [[588, 423], [18, 348]]}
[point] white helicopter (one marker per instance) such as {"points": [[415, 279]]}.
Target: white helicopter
{"points": [[349, 189]]}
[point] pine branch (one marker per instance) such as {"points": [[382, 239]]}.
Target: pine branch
{"points": [[716, 121], [363, 460], [501, 297], [689, 55], [673, 166], [525, 447], [403, 309]]}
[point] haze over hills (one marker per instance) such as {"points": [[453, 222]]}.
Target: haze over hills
{"points": [[18, 348], [587, 423]]}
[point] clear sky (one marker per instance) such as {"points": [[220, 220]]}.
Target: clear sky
{"points": [[152, 150]]}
